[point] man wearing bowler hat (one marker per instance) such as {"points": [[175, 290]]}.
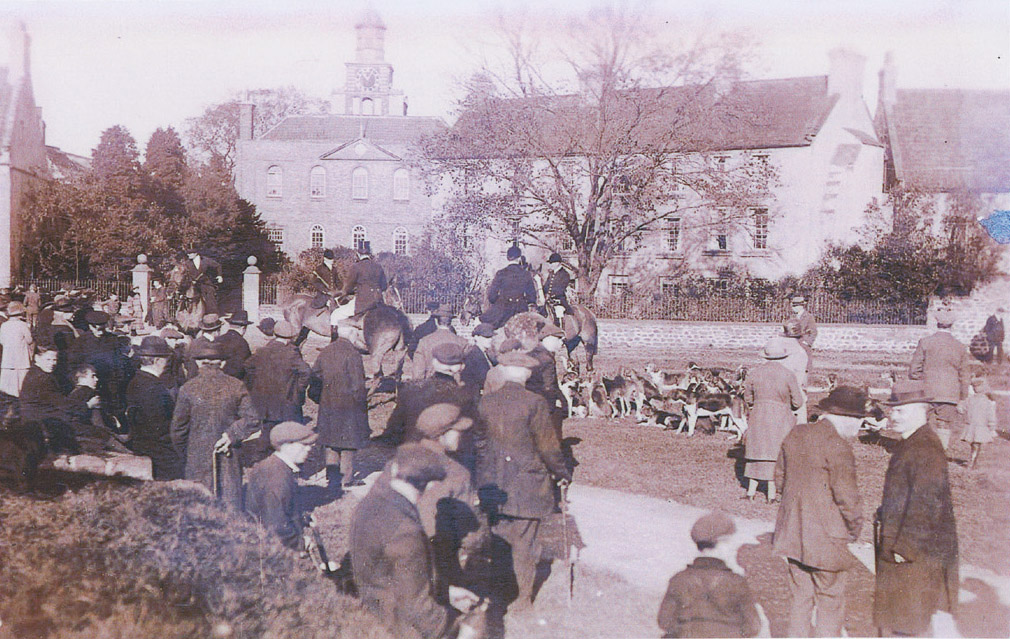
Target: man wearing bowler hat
{"points": [[149, 407], [511, 291], [915, 533], [821, 512], [326, 280], [421, 362], [233, 342], [270, 492], [943, 365]]}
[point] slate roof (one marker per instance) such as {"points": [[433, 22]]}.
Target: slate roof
{"points": [[382, 130], [950, 139], [63, 164]]}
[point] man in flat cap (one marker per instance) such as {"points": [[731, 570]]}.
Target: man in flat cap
{"points": [[511, 291], [821, 512], [233, 342], [270, 492], [109, 354], [443, 334], [391, 554], [149, 407], [205, 275], [213, 414], [519, 465], [915, 532], [808, 325], [943, 365]]}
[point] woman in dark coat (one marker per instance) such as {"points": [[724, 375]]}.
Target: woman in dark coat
{"points": [[338, 386], [772, 394]]}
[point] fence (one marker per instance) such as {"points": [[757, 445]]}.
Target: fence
{"points": [[103, 288]]}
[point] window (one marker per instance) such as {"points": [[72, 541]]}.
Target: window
{"points": [[400, 241], [668, 286], [401, 184], [673, 235], [316, 236], [721, 241], [760, 228], [359, 183], [566, 243], [275, 181], [358, 237], [619, 285], [275, 234], [367, 107], [317, 182]]}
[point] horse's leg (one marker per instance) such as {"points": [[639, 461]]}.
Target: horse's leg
{"points": [[302, 336]]}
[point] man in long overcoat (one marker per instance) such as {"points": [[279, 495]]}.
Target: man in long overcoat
{"points": [[16, 340], [772, 394], [149, 408], [916, 536], [367, 281], [943, 365], [233, 341], [337, 384], [995, 332], [511, 291], [213, 414], [821, 512], [519, 466]]}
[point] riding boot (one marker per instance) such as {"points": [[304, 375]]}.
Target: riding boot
{"points": [[302, 336]]}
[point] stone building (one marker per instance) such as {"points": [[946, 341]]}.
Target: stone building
{"points": [[342, 179]]}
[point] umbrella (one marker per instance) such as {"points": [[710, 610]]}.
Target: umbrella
{"points": [[997, 225]]}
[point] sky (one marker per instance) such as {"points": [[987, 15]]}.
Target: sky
{"points": [[146, 64]]}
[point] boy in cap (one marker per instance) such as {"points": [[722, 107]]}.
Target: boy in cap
{"points": [[270, 492], [707, 599]]}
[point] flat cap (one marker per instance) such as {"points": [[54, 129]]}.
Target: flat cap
{"points": [[96, 318], [517, 358], [285, 329], [441, 418], [291, 432], [417, 464], [483, 330], [709, 528], [448, 353], [171, 333], [848, 401]]}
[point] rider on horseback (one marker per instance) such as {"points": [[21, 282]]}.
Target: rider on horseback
{"points": [[556, 290], [326, 281], [367, 282], [511, 291]]}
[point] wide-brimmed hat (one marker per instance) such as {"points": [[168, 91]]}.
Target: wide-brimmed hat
{"points": [[518, 358], [96, 318], [711, 527], [847, 401], [448, 353], [15, 308], [285, 329], [153, 346], [291, 433], [210, 322], [438, 419], [907, 392], [239, 318], [774, 349], [203, 348]]}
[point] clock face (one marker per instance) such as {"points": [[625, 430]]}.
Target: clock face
{"points": [[367, 78]]}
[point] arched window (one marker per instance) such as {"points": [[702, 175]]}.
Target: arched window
{"points": [[367, 106], [359, 183], [400, 241], [275, 181], [401, 184], [317, 182], [358, 237], [316, 237]]}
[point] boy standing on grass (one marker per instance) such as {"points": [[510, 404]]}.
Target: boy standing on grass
{"points": [[707, 599], [979, 411]]}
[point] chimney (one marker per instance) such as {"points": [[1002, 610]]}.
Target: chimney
{"points": [[245, 121], [20, 45], [888, 80], [846, 75]]}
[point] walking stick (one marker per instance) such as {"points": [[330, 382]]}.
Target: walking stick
{"points": [[569, 564], [214, 474]]}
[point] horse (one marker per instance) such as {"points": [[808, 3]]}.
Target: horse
{"points": [[580, 325], [189, 304]]}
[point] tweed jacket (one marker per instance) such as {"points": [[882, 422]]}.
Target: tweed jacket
{"points": [[942, 363], [391, 561], [367, 281], [149, 407], [270, 499], [808, 328], [772, 393], [413, 397], [236, 352], [421, 362], [277, 377], [707, 599], [337, 384], [821, 509]]}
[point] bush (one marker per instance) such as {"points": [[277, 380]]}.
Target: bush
{"points": [[158, 560]]}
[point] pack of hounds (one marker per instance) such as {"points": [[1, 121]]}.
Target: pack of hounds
{"points": [[677, 400]]}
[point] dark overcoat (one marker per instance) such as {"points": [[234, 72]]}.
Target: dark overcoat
{"points": [[522, 451], [236, 351], [277, 377], [427, 327], [367, 281], [326, 280], [391, 562], [556, 285], [270, 499], [916, 517], [109, 354], [149, 407], [821, 509], [772, 393], [337, 384], [413, 397], [994, 330], [942, 363], [476, 364], [707, 599], [208, 406], [511, 291], [544, 378], [41, 399]]}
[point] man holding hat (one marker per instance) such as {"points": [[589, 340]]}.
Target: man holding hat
{"points": [[16, 341], [204, 274], [772, 394], [915, 532], [943, 365], [511, 291], [821, 512], [149, 407], [556, 288], [233, 343], [270, 493], [366, 281], [277, 378], [808, 325], [444, 334], [519, 466], [213, 414]]}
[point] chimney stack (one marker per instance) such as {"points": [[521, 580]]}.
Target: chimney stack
{"points": [[20, 44], [245, 121], [888, 80]]}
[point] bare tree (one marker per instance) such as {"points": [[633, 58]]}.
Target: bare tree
{"points": [[594, 144]]}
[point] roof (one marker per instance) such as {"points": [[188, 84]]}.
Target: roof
{"points": [[63, 164], [757, 114], [951, 139], [380, 129]]}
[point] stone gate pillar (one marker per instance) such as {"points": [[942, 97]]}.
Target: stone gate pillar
{"points": [[142, 280], [251, 290]]}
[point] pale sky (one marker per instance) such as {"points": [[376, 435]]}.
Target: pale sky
{"points": [[150, 64]]}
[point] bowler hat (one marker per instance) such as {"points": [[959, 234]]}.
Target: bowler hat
{"points": [[153, 346], [291, 432], [266, 325], [792, 328], [96, 318], [448, 353], [483, 330], [285, 329], [554, 258], [847, 401], [328, 254], [513, 253], [550, 330], [239, 318], [907, 392], [774, 349], [417, 464], [440, 418], [517, 358], [711, 527], [798, 300], [203, 348], [15, 308], [210, 322]]}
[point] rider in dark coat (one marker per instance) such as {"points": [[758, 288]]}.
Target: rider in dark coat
{"points": [[326, 280], [556, 285], [511, 291], [205, 274], [366, 280]]}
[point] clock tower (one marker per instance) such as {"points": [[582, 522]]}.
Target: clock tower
{"points": [[368, 87]]}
